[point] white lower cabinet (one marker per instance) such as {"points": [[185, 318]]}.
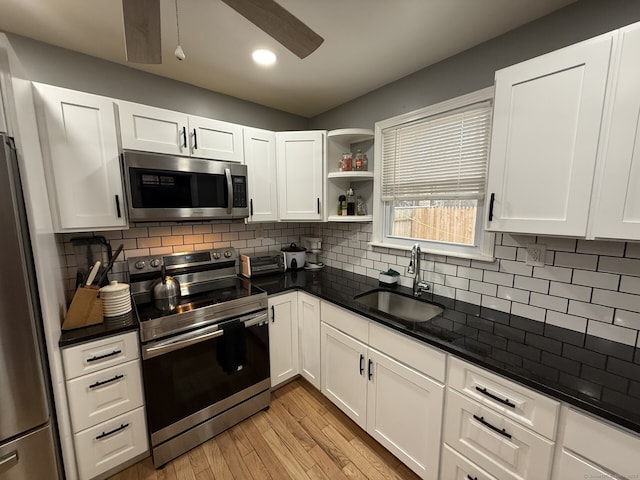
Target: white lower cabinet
{"points": [[283, 337], [594, 449], [309, 338], [457, 467], [106, 404], [397, 405]]}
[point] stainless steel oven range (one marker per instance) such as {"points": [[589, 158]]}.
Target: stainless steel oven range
{"points": [[206, 363]]}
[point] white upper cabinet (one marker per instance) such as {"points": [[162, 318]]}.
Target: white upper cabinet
{"points": [[547, 119], [300, 174], [158, 130], [79, 140], [260, 158], [617, 213]]}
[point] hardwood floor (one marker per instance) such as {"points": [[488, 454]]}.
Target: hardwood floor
{"points": [[302, 436]]}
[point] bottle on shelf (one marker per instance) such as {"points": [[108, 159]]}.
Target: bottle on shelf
{"points": [[361, 207], [351, 202], [342, 205]]}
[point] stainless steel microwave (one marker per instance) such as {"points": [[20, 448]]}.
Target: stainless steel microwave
{"points": [[166, 187]]}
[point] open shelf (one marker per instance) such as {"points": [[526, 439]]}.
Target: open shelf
{"points": [[353, 175], [350, 218]]}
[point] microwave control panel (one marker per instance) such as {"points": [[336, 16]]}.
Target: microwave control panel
{"points": [[239, 192]]}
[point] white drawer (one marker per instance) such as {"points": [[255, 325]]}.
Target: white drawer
{"points": [[502, 447], [604, 445], [411, 352], [456, 467], [529, 408], [99, 396], [106, 352], [572, 467], [111, 443], [345, 321]]}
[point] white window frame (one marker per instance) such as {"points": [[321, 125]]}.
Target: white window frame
{"points": [[483, 250]]}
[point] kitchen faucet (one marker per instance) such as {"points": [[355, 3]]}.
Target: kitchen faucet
{"points": [[414, 267]]}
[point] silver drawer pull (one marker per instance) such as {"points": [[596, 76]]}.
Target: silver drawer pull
{"points": [[104, 382], [8, 461], [115, 430]]}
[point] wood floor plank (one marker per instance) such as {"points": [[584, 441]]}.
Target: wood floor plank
{"points": [[232, 456], [256, 467], [303, 436]]}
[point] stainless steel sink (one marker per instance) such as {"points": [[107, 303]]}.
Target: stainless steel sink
{"points": [[401, 306]]}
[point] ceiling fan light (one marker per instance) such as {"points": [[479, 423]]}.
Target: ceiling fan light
{"points": [[264, 57]]}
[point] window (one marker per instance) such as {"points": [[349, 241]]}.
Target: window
{"points": [[430, 185]]}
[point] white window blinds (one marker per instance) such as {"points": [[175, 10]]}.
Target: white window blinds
{"points": [[438, 157]]}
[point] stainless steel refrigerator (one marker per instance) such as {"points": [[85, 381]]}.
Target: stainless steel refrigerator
{"points": [[28, 450]]}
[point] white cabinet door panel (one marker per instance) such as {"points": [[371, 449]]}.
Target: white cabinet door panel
{"points": [[152, 129], [260, 159], [456, 467], [404, 413], [343, 373], [572, 467], [309, 341], [283, 337], [618, 202], [215, 139], [547, 118]]}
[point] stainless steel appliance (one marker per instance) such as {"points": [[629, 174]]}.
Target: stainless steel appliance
{"points": [[206, 363], [261, 265], [27, 448], [166, 187]]}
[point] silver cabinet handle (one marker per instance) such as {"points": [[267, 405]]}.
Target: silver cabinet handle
{"points": [[8, 461], [227, 173]]}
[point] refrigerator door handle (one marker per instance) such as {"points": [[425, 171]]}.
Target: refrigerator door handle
{"points": [[8, 461]]}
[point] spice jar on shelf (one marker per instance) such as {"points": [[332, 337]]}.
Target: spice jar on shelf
{"points": [[361, 207], [362, 162], [345, 164]]}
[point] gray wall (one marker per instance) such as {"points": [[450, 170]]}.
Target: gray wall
{"points": [[46, 63], [474, 69]]}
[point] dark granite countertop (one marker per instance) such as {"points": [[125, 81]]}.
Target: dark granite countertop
{"points": [[114, 326], [594, 374]]}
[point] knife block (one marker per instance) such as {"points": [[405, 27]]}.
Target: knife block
{"points": [[85, 309]]}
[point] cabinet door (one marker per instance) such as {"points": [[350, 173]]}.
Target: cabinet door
{"points": [[618, 209], [82, 159], [309, 342], [283, 337], [300, 174], [260, 158], [152, 129], [547, 117], [343, 373], [571, 466], [215, 139], [404, 413]]}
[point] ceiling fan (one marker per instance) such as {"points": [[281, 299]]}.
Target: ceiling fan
{"points": [[142, 27]]}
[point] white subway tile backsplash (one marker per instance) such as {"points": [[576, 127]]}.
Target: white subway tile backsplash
{"points": [[624, 318], [469, 297], [518, 268], [559, 274], [505, 279], [434, 277], [512, 240], [613, 249], [508, 253], [616, 300], [527, 311], [591, 311], [461, 262], [549, 302], [595, 279], [444, 291], [496, 303], [558, 244], [576, 260], [630, 285], [514, 294], [445, 268], [470, 273], [624, 266], [567, 290], [457, 282], [563, 320], [483, 288], [532, 284], [613, 333], [632, 250]]}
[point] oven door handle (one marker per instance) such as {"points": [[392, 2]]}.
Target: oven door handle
{"points": [[191, 338]]}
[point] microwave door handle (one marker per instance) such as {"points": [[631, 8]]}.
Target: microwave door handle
{"points": [[227, 173]]}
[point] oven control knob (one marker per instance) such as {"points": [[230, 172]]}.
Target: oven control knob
{"points": [[227, 253], [140, 264], [155, 263], [216, 256]]}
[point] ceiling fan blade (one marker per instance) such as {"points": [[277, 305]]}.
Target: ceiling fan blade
{"points": [[142, 30], [278, 23]]}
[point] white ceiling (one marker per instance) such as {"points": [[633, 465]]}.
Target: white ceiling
{"points": [[368, 43]]}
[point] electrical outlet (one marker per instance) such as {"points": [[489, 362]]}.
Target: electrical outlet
{"points": [[536, 254]]}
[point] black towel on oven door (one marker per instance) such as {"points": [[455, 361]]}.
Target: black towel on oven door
{"points": [[232, 347]]}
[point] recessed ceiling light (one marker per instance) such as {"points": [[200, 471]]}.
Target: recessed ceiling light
{"points": [[264, 57]]}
